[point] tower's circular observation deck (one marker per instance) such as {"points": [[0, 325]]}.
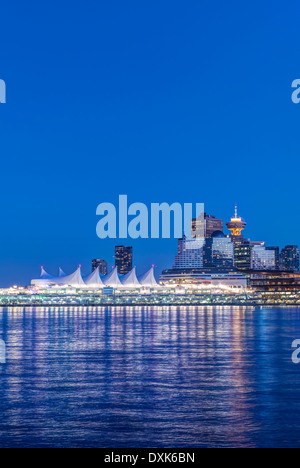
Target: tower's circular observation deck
{"points": [[236, 225]]}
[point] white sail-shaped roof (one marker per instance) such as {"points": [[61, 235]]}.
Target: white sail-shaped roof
{"points": [[75, 279], [94, 280], [61, 273], [113, 279], [130, 280], [148, 279], [44, 274]]}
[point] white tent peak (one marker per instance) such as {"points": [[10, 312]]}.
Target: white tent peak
{"points": [[75, 279], [61, 273], [131, 279], [113, 279], [148, 279], [93, 280], [44, 274]]}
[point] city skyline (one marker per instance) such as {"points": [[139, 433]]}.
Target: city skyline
{"points": [[260, 254]]}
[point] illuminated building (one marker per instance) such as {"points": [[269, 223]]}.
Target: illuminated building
{"points": [[262, 258], [204, 226], [236, 226], [277, 256], [123, 260], [206, 277], [190, 253], [94, 281], [101, 264], [242, 255], [219, 251], [289, 258], [274, 281]]}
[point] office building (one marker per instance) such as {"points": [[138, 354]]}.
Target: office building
{"points": [[277, 256], [289, 258], [204, 226], [242, 255], [102, 264], [218, 251], [262, 258], [123, 259], [190, 253]]}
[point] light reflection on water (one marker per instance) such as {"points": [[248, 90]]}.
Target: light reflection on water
{"points": [[149, 377]]}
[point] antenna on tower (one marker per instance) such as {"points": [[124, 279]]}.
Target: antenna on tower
{"points": [[236, 212]]}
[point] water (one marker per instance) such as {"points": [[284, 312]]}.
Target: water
{"points": [[149, 377]]}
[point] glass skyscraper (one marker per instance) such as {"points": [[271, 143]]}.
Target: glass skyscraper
{"points": [[289, 258], [277, 256], [123, 260], [242, 255], [262, 258], [219, 251], [204, 226], [190, 253], [102, 264]]}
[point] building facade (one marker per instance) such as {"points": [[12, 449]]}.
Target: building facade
{"points": [[218, 251], [204, 226], [206, 277], [242, 255], [277, 256], [289, 258], [190, 253], [123, 259], [274, 281], [102, 264], [262, 258]]}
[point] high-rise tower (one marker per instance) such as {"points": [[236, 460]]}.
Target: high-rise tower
{"points": [[205, 226], [290, 258], [102, 264], [123, 260], [236, 225]]}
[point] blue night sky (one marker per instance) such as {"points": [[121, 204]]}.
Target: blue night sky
{"points": [[161, 100]]}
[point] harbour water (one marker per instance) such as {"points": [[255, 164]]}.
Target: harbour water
{"points": [[149, 377]]}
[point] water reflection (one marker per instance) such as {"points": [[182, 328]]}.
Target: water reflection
{"points": [[149, 377]]}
